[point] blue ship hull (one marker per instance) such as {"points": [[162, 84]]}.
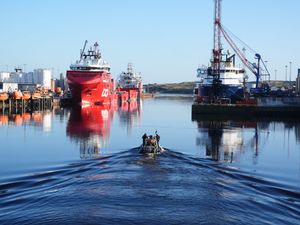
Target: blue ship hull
{"points": [[235, 93]]}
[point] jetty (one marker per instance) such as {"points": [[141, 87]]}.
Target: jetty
{"points": [[24, 105]]}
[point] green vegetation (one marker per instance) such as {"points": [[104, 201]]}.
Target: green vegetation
{"points": [[171, 88], [187, 87]]}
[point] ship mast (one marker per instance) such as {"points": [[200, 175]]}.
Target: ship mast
{"points": [[216, 61]]}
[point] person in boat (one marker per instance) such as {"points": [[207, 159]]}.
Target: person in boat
{"points": [[144, 137], [157, 137], [151, 140]]}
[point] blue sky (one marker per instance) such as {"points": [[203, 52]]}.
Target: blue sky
{"points": [[165, 39]]}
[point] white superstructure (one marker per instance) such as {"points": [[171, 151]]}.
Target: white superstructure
{"points": [[4, 76], [91, 61], [229, 74], [129, 79]]}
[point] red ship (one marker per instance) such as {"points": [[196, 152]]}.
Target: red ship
{"points": [[89, 78], [129, 85]]}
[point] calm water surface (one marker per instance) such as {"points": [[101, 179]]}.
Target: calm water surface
{"points": [[83, 167]]}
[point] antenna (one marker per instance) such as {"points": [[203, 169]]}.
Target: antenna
{"points": [[82, 52]]}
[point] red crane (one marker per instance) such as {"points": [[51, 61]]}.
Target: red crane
{"points": [[217, 54], [216, 61]]}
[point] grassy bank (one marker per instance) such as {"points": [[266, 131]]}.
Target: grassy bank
{"points": [[171, 88]]}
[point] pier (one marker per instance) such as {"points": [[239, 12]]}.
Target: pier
{"points": [[24, 105], [246, 111]]}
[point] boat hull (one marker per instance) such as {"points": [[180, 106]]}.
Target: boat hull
{"points": [[90, 87], [17, 95], [148, 149], [3, 96], [133, 93], [234, 93]]}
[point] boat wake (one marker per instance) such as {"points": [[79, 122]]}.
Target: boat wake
{"points": [[132, 188]]}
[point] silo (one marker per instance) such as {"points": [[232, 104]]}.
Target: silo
{"points": [[4, 76], [42, 77], [46, 78]]}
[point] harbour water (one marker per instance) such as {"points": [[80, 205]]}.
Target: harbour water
{"points": [[83, 167]]}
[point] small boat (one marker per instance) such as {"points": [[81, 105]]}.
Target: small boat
{"points": [[26, 95], [36, 94], [151, 145], [17, 95], [3, 96]]}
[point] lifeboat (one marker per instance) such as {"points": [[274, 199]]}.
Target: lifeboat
{"points": [[3, 96], [26, 95], [17, 95], [36, 94]]}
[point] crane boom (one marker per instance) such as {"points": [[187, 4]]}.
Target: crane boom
{"points": [[82, 52], [239, 53], [254, 68]]}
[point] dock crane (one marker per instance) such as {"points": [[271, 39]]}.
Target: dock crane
{"points": [[216, 62]]}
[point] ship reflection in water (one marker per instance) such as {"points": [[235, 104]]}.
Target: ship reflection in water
{"points": [[130, 114], [90, 126], [227, 139]]}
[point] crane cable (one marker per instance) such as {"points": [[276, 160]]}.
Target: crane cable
{"points": [[236, 37]]}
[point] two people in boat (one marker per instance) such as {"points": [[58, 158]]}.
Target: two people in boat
{"points": [[151, 140]]}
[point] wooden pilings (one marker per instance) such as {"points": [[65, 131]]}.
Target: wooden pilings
{"points": [[22, 105]]}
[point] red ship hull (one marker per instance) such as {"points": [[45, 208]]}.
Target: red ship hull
{"points": [[90, 87], [133, 93]]}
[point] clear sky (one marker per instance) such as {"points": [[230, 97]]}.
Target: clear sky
{"points": [[164, 39]]}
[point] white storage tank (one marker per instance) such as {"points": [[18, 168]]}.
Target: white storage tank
{"points": [[42, 77], [4, 76]]}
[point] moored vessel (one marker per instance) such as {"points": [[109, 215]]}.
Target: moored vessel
{"points": [[36, 94], [130, 82], [3, 96], [26, 95], [230, 86], [17, 95], [90, 79]]}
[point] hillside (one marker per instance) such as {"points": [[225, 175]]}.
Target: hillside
{"points": [[187, 87], [171, 88]]}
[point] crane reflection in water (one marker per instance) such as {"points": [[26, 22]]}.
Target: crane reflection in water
{"points": [[227, 139]]}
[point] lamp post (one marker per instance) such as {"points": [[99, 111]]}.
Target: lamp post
{"points": [[275, 74], [290, 74], [285, 73], [266, 71]]}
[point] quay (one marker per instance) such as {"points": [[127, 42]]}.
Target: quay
{"points": [[23, 105], [246, 111]]}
